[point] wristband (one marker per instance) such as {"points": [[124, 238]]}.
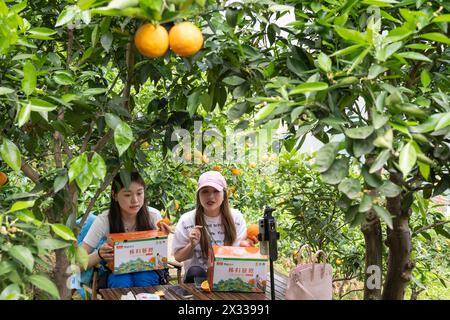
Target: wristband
{"points": [[98, 252]]}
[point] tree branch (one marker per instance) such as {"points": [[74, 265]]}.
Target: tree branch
{"points": [[431, 226], [87, 137], [30, 172], [102, 188]]}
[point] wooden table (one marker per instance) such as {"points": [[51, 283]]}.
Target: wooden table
{"points": [[198, 294]]}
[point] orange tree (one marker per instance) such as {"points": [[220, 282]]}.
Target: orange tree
{"points": [[69, 123], [370, 80], [77, 101]]}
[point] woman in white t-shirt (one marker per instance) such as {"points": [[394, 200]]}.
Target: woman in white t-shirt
{"points": [[212, 222], [128, 212]]}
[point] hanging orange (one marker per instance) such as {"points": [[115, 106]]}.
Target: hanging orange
{"points": [[151, 40], [3, 178], [185, 39]]}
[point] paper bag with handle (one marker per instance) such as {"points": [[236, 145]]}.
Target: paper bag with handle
{"points": [[310, 280]]}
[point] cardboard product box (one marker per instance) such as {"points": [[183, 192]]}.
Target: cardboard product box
{"points": [[237, 269], [138, 251]]}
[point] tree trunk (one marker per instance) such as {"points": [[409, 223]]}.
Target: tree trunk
{"points": [[371, 228], [398, 240], [60, 274]]}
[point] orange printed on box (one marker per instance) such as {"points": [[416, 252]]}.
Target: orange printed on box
{"points": [[237, 269], [138, 251]]}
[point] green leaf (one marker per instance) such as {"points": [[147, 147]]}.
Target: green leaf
{"points": [[424, 169], [309, 87], [20, 205], [98, 166], [94, 91], [350, 187], [41, 33], [11, 292], [414, 56], [384, 215], [24, 114], [407, 158], [63, 231], [442, 18], [193, 102], [82, 257], [106, 41], [123, 136], [236, 111], [389, 189], [359, 133], [337, 171], [346, 51], [385, 141], [23, 255], [265, 111], [352, 35], [66, 16], [51, 244], [429, 124], [425, 78], [44, 283], [371, 179], [76, 166], [11, 154], [39, 105], [233, 80], [435, 36], [378, 119], [29, 78], [28, 217], [358, 60], [59, 183], [85, 177], [324, 62], [5, 90], [380, 161], [386, 51], [326, 155], [112, 120], [375, 70], [63, 78], [366, 203], [443, 122]]}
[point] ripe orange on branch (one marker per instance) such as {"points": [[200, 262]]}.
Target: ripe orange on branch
{"points": [[151, 40], [3, 178], [185, 39]]}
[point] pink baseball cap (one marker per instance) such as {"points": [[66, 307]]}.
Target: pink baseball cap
{"points": [[212, 179]]}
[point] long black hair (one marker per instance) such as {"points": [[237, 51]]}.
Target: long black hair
{"points": [[227, 221], [143, 221]]}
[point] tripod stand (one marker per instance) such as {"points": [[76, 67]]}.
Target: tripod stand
{"points": [[268, 237]]}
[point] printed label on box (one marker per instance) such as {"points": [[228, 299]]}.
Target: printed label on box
{"points": [[139, 251], [238, 269]]}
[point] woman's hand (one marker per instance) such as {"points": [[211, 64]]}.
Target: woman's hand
{"points": [[164, 228], [249, 242], [195, 235], [106, 252]]}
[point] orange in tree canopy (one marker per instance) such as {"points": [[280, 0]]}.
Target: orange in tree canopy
{"points": [[185, 39], [151, 40], [3, 178]]}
